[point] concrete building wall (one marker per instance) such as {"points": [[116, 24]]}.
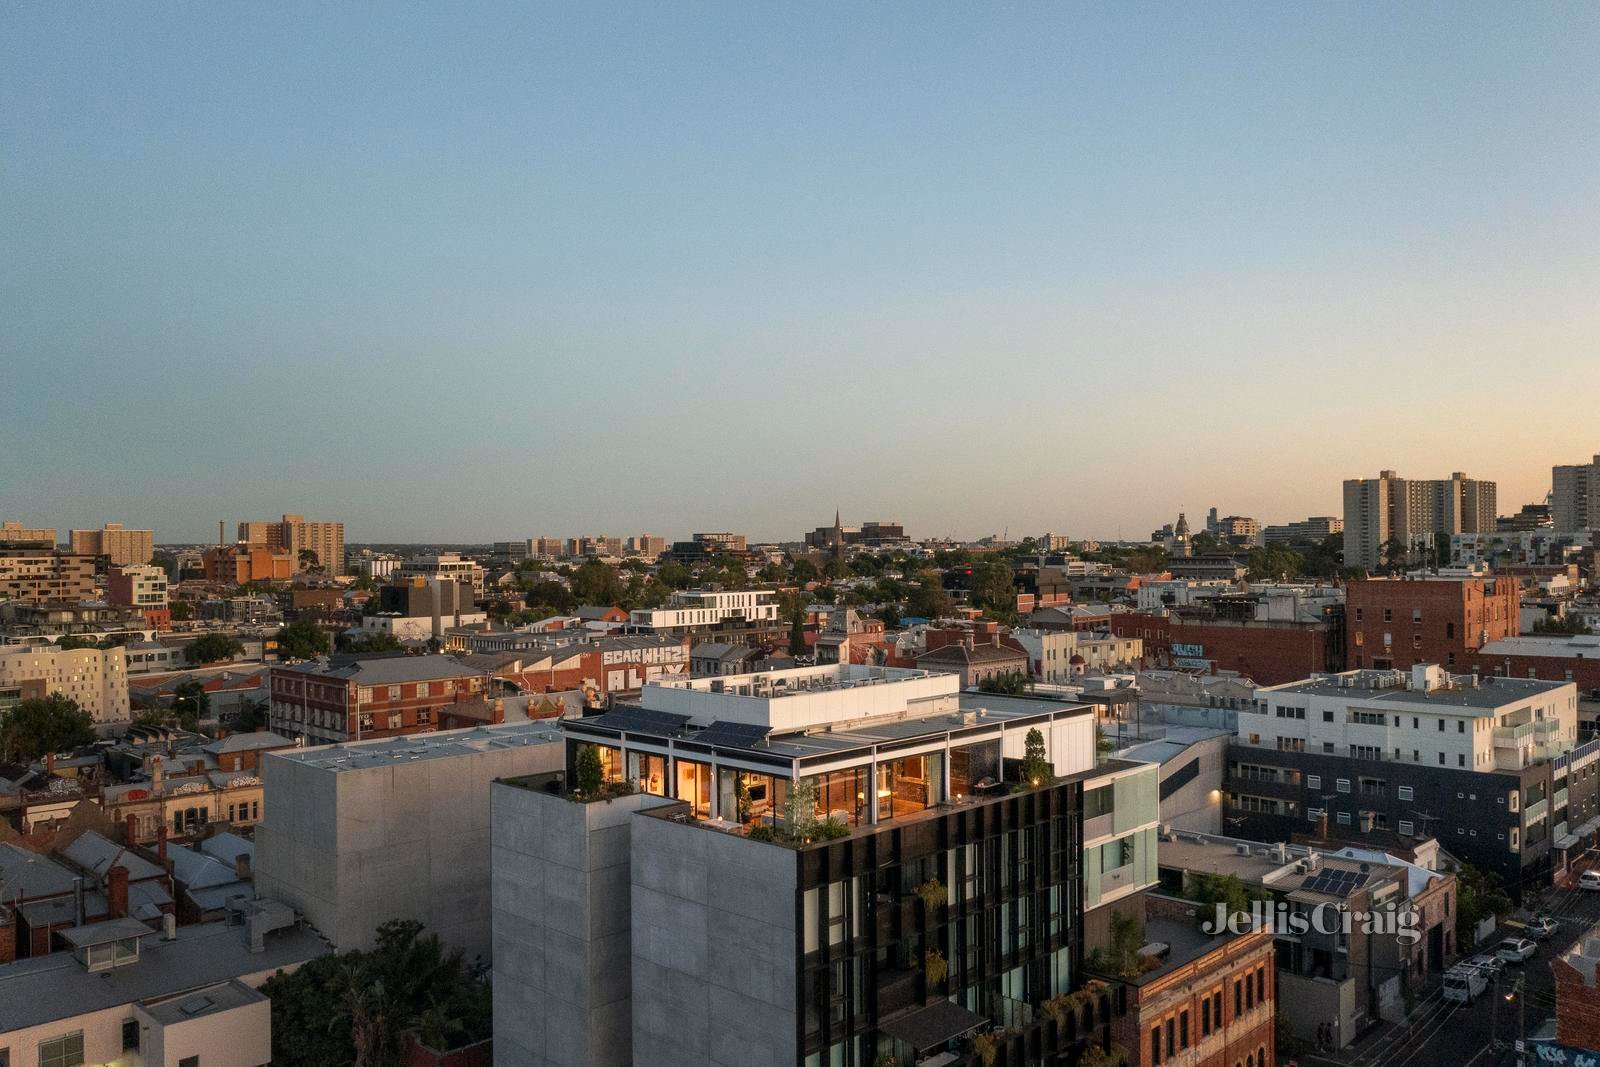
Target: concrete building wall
{"points": [[351, 849], [561, 923], [96, 679], [714, 948]]}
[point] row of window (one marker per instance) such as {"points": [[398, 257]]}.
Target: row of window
{"points": [[1171, 1035]]}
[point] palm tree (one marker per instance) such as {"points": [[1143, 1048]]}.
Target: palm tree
{"points": [[364, 1005]]}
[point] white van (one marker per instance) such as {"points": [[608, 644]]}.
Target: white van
{"points": [[1589, 880], [1463, 984]]}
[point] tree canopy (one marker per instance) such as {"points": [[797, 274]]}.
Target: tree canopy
{"points": [[210, 648], [351, 1009], [302, 639], [32, 728]]}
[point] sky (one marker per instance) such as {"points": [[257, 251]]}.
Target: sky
{"points": [[477, 271]]}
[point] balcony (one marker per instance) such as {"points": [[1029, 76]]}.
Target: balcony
{"points": [[1514, 736]]}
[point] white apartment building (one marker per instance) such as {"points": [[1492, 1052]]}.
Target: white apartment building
{"points": [[1426, 717], [1155, 594], [142, 586], [1575, 496], [445, 565], [96, 679], [694, 609]]}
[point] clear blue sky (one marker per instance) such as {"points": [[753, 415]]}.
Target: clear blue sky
{"points": [[472, 271]]}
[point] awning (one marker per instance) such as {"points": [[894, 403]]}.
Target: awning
{"points": [[934, 1026]]}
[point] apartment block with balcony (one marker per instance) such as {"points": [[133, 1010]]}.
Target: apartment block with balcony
{"points": [[700, 611], [1374, 755], [96, 679], [831, 865]]}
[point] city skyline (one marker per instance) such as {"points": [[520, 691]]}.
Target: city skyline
{"points": [[763, 526], [731, 267]]}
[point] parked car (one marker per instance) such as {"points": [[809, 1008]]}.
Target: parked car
{"points": [[1489, 964], [1516, 950], [1541, 926], [1463, 984], [1589, 880]]}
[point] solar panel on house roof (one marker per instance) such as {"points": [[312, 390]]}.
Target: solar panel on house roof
{"points": [[644, 720], [1335, 882]]}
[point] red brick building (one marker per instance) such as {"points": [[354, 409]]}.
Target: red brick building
{"points": [[1210, 1003], [1270, 653], [1578, 995], [1400, 622], [348, 698]]}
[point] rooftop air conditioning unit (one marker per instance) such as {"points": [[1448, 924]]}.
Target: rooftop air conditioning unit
{"points": [[1242, 848]]}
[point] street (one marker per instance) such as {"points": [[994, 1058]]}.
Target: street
{"points": [[1440, 1033]]}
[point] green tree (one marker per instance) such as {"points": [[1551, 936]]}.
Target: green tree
{"points": [[210, 648], [1209, 890], [32, 728], [1478, 896], [889, 615], [674, 575], [1036, 767], [1012, 683], [371, 641], [805, 571], [1148, 560], [590, 773], [1274, 563], [302, 639], [994, 588], [926, 600], [191, 704], [353, 1008], [309, 560], [551, 595], [596, 583], [181, 610], [1395, 556], [70, 642]]}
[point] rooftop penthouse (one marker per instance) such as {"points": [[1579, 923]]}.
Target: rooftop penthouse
{"points": [[734, 748]]}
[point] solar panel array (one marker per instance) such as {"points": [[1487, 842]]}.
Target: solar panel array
{"points": [[641, 720], [732, 734], [1335, 882]]}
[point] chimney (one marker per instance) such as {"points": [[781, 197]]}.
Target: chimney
{"points": [[161, 844], [155, 774], [130, 830], [117, 891], [49, 764], [169, 927], [8, 935]]}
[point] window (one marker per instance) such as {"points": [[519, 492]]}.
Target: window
{"points": [[130, 1034], [1461, 726], [1342, 785], [1405, 828], [189, 1061], [395, 721], [1359, 613], [1403, 792], [1416, 614], [64, 1051], [1313, 781], [1327, 716], [1155, 1044], [1205, 1017], [1441, 726], [1388, 615], [1183, 1029], [1238, 998], [1344, 818]]}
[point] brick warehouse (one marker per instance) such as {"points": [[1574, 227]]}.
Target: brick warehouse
{"points": [[1400, 622], [1270, 653]]}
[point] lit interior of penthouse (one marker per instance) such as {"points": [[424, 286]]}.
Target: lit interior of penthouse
{"points": [[878, 743]]}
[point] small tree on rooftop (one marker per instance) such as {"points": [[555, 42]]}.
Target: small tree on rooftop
{"points": [[800, 813], [1036, 769], [590, 773]]}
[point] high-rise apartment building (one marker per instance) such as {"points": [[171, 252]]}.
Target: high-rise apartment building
{"points": [[295, 535], [1575, 496], [120, 546], [15, 533], [39, 574], [831, 865], [1410, 512]]}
